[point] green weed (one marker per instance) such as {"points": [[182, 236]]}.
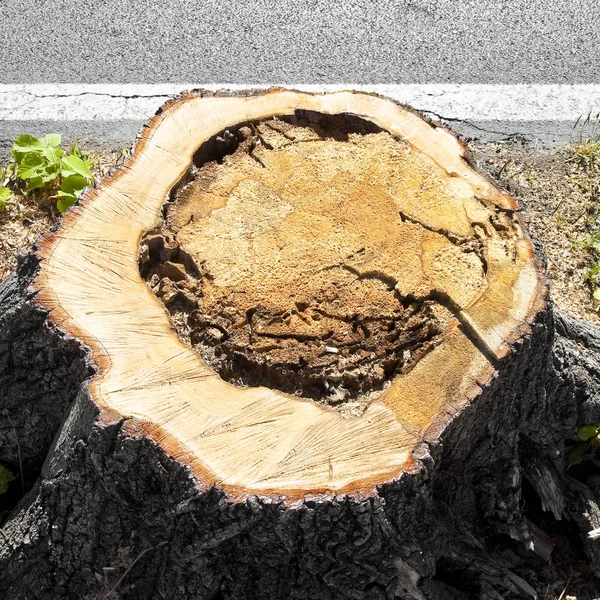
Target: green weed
{"points": [[592, 275], [40, 164], [590, 242], [5, 193], [588, 444], [587, 128], [5, 196], [5, 478], [587, 156]]}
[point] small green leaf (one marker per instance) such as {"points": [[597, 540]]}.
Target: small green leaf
{"points": [[5, 478], [26, 143], [73, 165], [76, 151], [53, 155], [5, 194], [65, 201], [597, 294], [586, 432], [74, 184], [35, 183], [29, 165], [49, 172], [38, 176], [576, 453], [51, 140]]}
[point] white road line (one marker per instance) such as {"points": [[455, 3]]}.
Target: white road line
{"points": [[466, 102]]}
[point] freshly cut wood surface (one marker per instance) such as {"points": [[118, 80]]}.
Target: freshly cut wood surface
{"points": [[258, 440]]}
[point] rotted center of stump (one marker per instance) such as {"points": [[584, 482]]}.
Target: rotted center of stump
{"points": [[286, 259]]}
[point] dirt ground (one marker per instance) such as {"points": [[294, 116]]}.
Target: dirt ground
{"points": [[560, 197]]}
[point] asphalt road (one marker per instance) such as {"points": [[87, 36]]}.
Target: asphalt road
{"points": [[300, 41], [296, 42]]}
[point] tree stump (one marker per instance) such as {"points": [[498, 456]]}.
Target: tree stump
{"points": [[296, 346]]}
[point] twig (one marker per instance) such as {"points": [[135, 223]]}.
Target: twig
{"points": [[504, 167], [557, 206], [565, 590], [129, 569], [18, 451]]}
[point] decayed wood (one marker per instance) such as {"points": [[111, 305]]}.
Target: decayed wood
{"points": [[167, 482]]}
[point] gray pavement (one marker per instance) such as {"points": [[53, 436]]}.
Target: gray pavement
{"points": [[300, 41], [122, 133]]}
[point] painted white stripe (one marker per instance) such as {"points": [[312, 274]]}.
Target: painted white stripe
{"points": [[473, 102]]}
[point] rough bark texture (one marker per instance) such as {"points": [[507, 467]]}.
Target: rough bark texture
{"points": [[40, 371], [113, 516]]}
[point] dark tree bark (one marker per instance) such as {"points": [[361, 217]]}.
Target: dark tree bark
{"points": [[114, 514]]}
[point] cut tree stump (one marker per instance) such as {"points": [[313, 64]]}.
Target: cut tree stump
{"points": [[297, 346]]}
